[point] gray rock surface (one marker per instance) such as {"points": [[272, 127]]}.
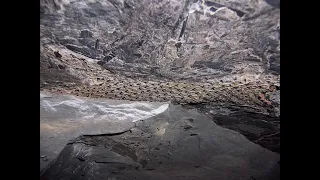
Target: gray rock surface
{"points": [[63, 118], [223, 43], [232, 44], [184, 39], [176, 144], [257, 127]]}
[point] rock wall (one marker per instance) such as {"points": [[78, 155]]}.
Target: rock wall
{"points": [[182, 39], [218, 42]]}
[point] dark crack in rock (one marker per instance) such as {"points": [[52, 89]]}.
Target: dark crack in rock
{"points": [[160, 148]]}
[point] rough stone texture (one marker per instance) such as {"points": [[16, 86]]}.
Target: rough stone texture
{"points": [[259, 128], [225, 36], [217, 42], [210, 55], [176, 144], [64, 117]]}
